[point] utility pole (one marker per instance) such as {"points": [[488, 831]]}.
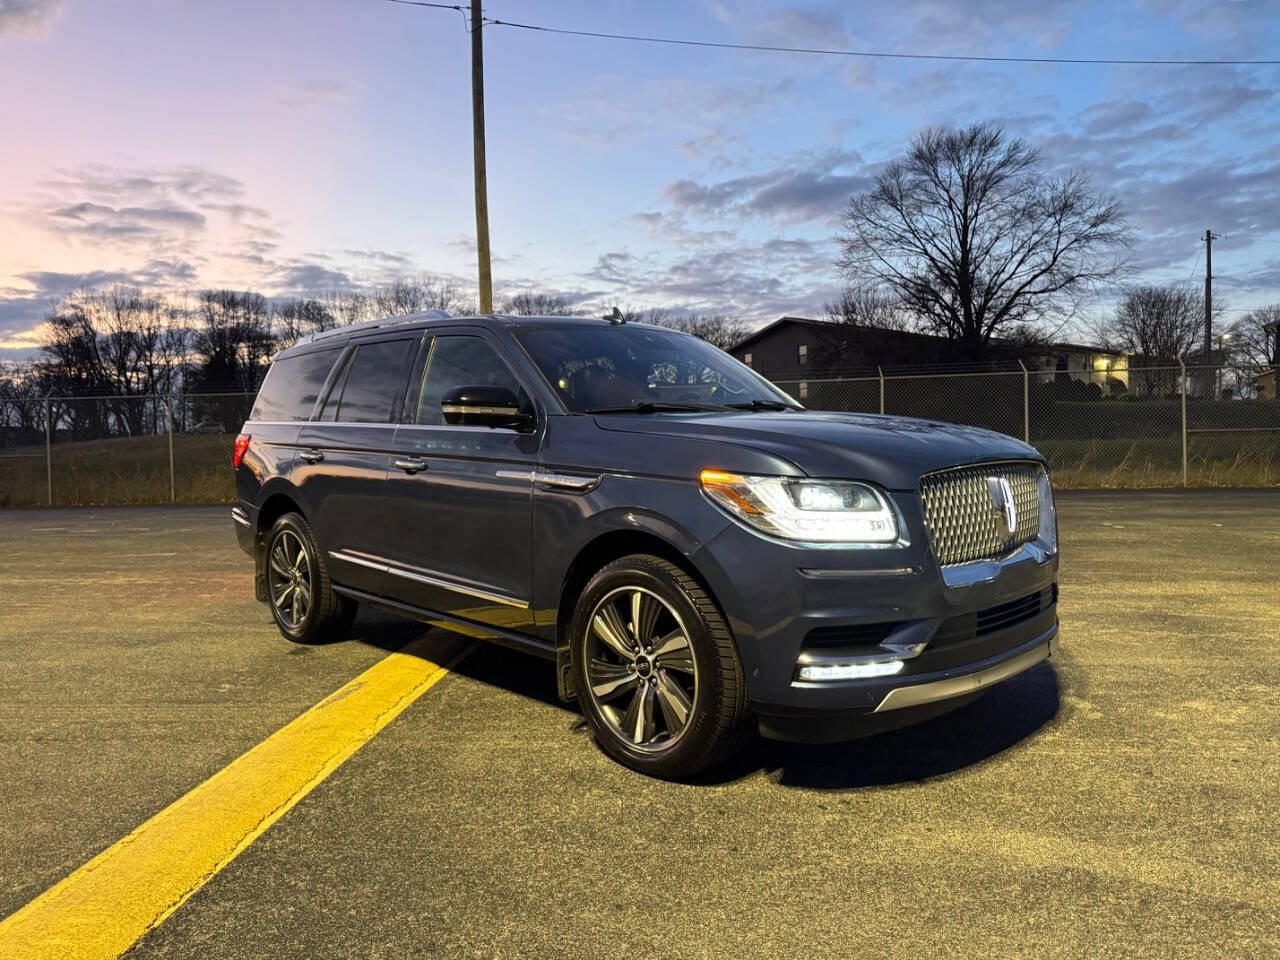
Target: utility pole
{"points": [[1208, 293], [482, 183]]}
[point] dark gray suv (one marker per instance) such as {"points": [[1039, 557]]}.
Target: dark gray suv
{"points": [[692, 549]]}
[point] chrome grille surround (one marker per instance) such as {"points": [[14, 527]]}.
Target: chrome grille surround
{"points": [[962, 519]]}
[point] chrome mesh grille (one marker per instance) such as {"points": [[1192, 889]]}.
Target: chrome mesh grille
{"points": [[961, 515]]}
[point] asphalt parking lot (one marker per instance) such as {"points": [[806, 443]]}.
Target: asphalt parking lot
{"points": [[1120, 800]]}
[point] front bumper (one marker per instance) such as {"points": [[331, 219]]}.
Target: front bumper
{"points": [[792, 606], [900, 704]]}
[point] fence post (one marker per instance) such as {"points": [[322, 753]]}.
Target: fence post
{"points": [[880, 370], [48, 448], [1183, 390], [1026, 404], [168, 423]]}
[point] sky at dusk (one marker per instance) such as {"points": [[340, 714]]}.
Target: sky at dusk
{"points": [[294, 146]]}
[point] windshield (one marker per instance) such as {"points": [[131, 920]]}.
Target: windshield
{"points": [[621, 367]]}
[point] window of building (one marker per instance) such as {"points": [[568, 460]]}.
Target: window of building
{"points": [[802, 354], [804, 389], [746, 358]]}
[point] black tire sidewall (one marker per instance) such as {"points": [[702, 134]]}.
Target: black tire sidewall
{"points": [[699, 740], [293, 523]]}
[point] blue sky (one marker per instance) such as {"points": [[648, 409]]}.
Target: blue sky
{"points": [[297, 145]]}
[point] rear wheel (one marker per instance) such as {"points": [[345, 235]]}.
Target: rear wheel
{"points": [[656, 668], [301, 597]]}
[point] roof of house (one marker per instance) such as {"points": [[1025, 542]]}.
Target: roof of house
{"points": [[904, 335]]}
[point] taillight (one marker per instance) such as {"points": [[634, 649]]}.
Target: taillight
{"points": [[242, 445]]}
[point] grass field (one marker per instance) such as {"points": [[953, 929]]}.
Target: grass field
{"points": [[122, 470], [135, 470]]}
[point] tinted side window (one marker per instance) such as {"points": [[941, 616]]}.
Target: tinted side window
{"points": [[293, 385], [375, 377], [459, 361]]}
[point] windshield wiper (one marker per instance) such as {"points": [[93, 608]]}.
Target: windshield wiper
{"points": [[762, 405], [655, 406]]}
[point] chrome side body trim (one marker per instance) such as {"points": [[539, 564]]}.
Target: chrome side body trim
{"points": [[548, 478], [823, 574], [921, 693], [431, 578], [239, 516]]}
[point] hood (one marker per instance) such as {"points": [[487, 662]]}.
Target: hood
{"points": [[890, 451]]}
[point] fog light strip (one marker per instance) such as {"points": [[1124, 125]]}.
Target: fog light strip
{"points": [[849, 671]]}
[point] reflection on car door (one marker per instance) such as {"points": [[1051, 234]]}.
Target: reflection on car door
{"points": [[344, 455], [462, 495]]}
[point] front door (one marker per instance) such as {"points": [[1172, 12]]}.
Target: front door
{"points": [[462, 495]]}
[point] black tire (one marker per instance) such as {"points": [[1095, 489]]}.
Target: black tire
{"points": [[706, 669], [326, 616]]}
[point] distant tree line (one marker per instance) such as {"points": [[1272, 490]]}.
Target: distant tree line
{"points": [[122, 342]]}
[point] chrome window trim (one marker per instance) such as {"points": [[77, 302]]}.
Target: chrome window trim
{"points": [[429, 577]]}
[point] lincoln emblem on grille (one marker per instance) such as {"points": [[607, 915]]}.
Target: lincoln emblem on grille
{"points": [[1006, 510]]}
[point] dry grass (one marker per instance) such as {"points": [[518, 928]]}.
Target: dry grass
{"points": [[135, 470], [1212, 461], [123, 470]]}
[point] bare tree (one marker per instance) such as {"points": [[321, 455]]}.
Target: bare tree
{"points": [[405, 296], [1251, 345], [861, 327], [1157, 324], [347, 306], [972, 237], [234, 340], [869, 308], [718, 330], [293, 319], [534, 304]]}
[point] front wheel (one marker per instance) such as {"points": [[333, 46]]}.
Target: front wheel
{"points": [[656, 668], [303, 602]]}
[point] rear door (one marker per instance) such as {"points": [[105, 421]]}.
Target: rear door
{"points": [[343, 456], [463, 494]]}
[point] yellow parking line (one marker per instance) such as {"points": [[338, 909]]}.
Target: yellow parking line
{"points": [[105, 906]]}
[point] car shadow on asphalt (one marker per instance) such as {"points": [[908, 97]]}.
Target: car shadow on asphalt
{"points": [[994, 723], [967, 737]]}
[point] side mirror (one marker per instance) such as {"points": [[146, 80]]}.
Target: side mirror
{"points": [[484, 406]]}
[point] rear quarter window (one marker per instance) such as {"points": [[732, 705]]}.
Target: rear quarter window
{"points": [[293, 386]]}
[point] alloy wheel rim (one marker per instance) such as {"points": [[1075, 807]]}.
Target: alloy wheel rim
{"points": [[290, 579], [641, 672]]}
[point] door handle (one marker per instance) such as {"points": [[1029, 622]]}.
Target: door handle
{"points": [[311, 456], [411, 464]]}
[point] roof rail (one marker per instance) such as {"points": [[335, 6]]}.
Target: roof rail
{"points": [[374, 325]]}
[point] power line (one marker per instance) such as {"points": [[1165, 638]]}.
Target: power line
{"points": [[820, 51], [423, 3], [872, 54]]}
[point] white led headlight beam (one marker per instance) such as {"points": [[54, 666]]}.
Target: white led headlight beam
{"points": [[808, 511]]}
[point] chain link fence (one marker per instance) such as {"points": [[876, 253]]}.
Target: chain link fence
{"points": [[1153, 426], [121, 449], [1117, 427]]}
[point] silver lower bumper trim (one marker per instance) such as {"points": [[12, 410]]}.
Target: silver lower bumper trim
{"points": [[239, 516], [921, 693]]}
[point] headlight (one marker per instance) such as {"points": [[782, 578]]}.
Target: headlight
{"points": [[1048, 533], [814, 511]]}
